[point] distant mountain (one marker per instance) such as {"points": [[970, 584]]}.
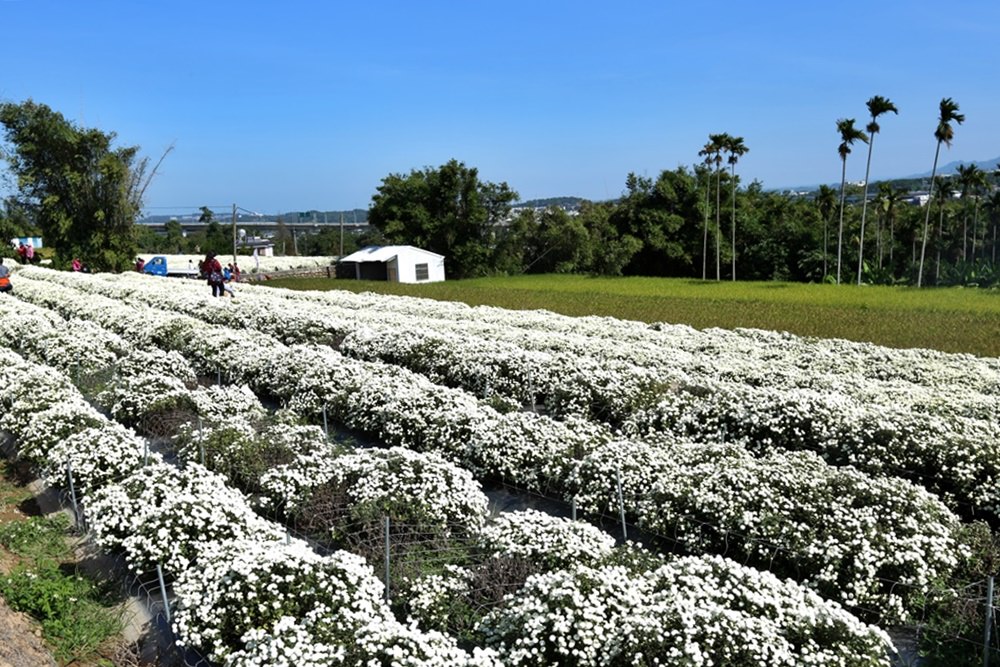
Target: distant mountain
{"points": [[951, 168], [354, 216], [568, 203]]}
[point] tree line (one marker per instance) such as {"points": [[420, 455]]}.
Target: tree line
{"points": [[674, 225], [83, 194]]}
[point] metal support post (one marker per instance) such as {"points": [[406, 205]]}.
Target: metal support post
{"points": [[163, 592], [621, 503]]}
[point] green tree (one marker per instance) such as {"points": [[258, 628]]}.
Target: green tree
{"points": [[826, 202], [973, 181], [944, 133], [709, 152], [877, 106], [83, 193], [447, 210], [217, 239], [848, 135], [514, 241], [888, 200], [718, 143], [565, 241], [736, 149], [175, 241], [663, 215]]}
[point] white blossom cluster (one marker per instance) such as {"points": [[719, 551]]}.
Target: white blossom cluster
{"points": [[926, 416], [245, 584], [866, 541], [187, 521], [161, 514], [691, 611], [544, 539], [406, 409], [58, 431], [422, 489]]}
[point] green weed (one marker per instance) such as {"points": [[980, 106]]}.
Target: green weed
{"points": [[37, 538], [70, 607]]}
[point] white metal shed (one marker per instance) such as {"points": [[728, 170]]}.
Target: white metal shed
{"points": [[394, 263]]}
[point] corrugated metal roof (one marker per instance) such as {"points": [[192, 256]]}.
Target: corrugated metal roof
{"points": [[374, 253]]}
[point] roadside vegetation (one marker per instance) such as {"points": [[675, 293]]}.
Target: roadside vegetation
{"points": [[79, 617]]}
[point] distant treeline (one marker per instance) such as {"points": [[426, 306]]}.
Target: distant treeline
{"points": [[681, 224]]}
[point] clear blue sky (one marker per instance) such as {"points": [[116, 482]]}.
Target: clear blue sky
{"points": [[298, 105]]}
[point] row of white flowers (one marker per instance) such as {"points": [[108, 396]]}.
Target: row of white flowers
{"points": [[241, 583], [927, 417], [541, 342], [402, 482], [249, 598], [898, 542]]}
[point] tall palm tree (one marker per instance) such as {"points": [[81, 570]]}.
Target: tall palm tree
{"points": [[889, 198], [971, 179], [718, 142], [708, 152], [877, 106], [944, 134], [993, 204], [826, 201], [848, 135], [736, 149], [943, 189]]}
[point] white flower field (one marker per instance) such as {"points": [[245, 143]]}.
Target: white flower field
{"points": [[796, 497]]}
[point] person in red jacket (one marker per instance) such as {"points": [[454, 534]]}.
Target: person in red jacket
{"points": [[213, 269]]}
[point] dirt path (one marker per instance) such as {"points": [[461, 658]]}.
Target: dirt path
{"points": [[20, 642]]}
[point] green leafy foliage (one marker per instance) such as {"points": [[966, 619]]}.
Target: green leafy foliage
{"points": [[81, 191], [446, 210], [70, 607]]}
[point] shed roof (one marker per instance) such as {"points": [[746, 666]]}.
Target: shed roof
{"points": [[374, 253]]}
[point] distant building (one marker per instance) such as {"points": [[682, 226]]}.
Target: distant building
{"points": [[260, 246], [395, 264]]}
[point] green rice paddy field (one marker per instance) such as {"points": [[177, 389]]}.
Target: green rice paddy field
{"points": [[949, 319]]}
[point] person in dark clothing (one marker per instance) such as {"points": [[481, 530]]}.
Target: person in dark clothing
{"points": [[213, 270]]}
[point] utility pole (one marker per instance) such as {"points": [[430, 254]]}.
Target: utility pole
{"points": [[341, 234], [234, 233]]}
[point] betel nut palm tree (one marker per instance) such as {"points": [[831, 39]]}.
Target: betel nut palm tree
{"points": [[708, 151], [877, 106], [736, 149], [718, 142], [944, 133], [973, 181], [826, 201], [848, 135]]}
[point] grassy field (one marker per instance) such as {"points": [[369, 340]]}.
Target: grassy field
{"points": [[952, 319]]}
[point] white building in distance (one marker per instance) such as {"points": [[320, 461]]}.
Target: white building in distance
{"points": [[394, 263]]}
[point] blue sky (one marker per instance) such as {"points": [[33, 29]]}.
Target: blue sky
{"points": [[299, 105]]}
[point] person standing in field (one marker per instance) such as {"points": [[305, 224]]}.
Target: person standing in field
{"points": [[213, 270], [5, 285]]}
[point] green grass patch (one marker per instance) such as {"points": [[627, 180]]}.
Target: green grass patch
{"points": [[38, 537], [75, 612], [947, 319], [78, 614]]}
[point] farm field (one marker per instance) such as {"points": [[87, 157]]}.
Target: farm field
{"points": [[308, 470], [947, 319]]}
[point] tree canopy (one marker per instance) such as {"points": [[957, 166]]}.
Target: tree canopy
{"points": [[446, 210], [82, 192]]}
